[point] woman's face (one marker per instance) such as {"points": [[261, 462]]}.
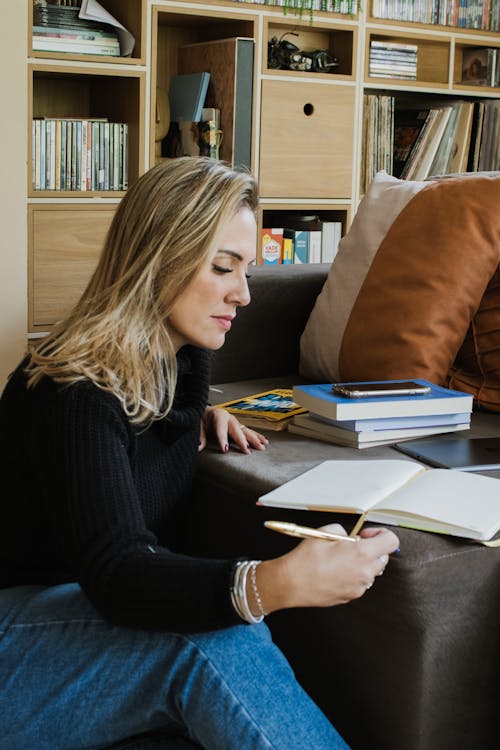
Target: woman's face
{"points": [[203, 314]]}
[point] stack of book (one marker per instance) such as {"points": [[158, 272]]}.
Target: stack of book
{"points": [[393, 60], [58, 27], [378, 420]]}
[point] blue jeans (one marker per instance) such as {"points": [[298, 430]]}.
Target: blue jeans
{"points": [[70, 680]]}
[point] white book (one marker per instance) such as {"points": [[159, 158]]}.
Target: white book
{"points": [[331, 433], [315, 246], [397, 493], [330, 237]]}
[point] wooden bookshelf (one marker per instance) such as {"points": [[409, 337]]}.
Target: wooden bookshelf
{"points": [[306, 143]]}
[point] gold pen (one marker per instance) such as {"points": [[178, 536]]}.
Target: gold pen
{"points": [[306, 532]]}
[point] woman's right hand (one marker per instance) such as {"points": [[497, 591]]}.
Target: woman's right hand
{"points": [[320, 573]]}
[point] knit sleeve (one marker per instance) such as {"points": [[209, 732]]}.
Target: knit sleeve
{"points": [[109, 495]]}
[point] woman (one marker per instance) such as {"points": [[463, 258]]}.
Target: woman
{"points": [[108, 631]]}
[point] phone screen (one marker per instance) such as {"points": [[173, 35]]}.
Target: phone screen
{"points": [[366, 390]]}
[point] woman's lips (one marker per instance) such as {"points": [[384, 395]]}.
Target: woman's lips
{"points": [[224, 321]]}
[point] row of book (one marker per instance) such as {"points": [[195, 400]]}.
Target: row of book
{"points": [[467, 14], [347, 7], [317, 412], [285, 246], [393, 60], [436, 138], [79, 154], [378, 137]]}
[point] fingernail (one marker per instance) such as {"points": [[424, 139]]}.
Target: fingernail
{"points": [[226, 448]]}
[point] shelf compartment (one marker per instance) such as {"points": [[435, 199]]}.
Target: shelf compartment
{"points": [[338, 41], [480, 65], [175, 29], [89, 93], [307, 139], [130, 13], [65, 242]]}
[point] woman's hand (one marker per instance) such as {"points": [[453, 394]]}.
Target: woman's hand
{"points": [[223, 426], [320, 573]]}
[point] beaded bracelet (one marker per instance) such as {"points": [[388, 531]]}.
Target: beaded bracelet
{"points": [[239, 598]]}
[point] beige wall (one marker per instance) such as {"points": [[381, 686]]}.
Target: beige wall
{"points": [[13, 155]]}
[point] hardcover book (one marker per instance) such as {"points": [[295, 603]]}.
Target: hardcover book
{"points": [[320, 400], [398, 493], [186, 96]]}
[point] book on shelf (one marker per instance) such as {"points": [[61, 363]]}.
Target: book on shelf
{"points": [[319, 399], [408, 124], [397, 493], [419, 166], [489, 152], [269, 410], [331, 234], [301, 246], [463, 135], [186, 95], [288, 246], [311, 426], [378, 136], [442, 159], [230, 64], [271, 252]]}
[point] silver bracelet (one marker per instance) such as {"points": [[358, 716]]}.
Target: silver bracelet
{"points": [[239, 598], [253, 580]]}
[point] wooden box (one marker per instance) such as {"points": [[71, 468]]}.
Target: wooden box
{"points": [[307, 137]]}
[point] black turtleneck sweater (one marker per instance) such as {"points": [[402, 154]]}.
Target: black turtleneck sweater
{"points": [[93, 499]]}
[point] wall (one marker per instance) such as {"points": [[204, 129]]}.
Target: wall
{"points": [[13, 175]]}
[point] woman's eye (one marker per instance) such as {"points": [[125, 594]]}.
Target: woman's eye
{"points": [[221, 269]]}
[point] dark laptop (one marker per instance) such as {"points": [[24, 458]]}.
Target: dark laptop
{"points": [[466, 454]]}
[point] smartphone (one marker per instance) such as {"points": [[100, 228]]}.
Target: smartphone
{"points": [[369, 390]]}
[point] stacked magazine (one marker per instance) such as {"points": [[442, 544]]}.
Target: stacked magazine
{"points": [[379, 420]]}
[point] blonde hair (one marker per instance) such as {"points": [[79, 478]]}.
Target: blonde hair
{"points": [[163, 231]]}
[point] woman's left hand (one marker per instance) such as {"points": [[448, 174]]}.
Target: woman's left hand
{"points": [[223, 426]]}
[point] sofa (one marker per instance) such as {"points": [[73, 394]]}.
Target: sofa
{"points": [[413, 664]]}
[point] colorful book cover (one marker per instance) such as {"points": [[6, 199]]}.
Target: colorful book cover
{"points": [[271, 247], [272, 409], [288, 246]]}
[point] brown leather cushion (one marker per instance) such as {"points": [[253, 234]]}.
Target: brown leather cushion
{"points": [[477, 366], [431, 280]]}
